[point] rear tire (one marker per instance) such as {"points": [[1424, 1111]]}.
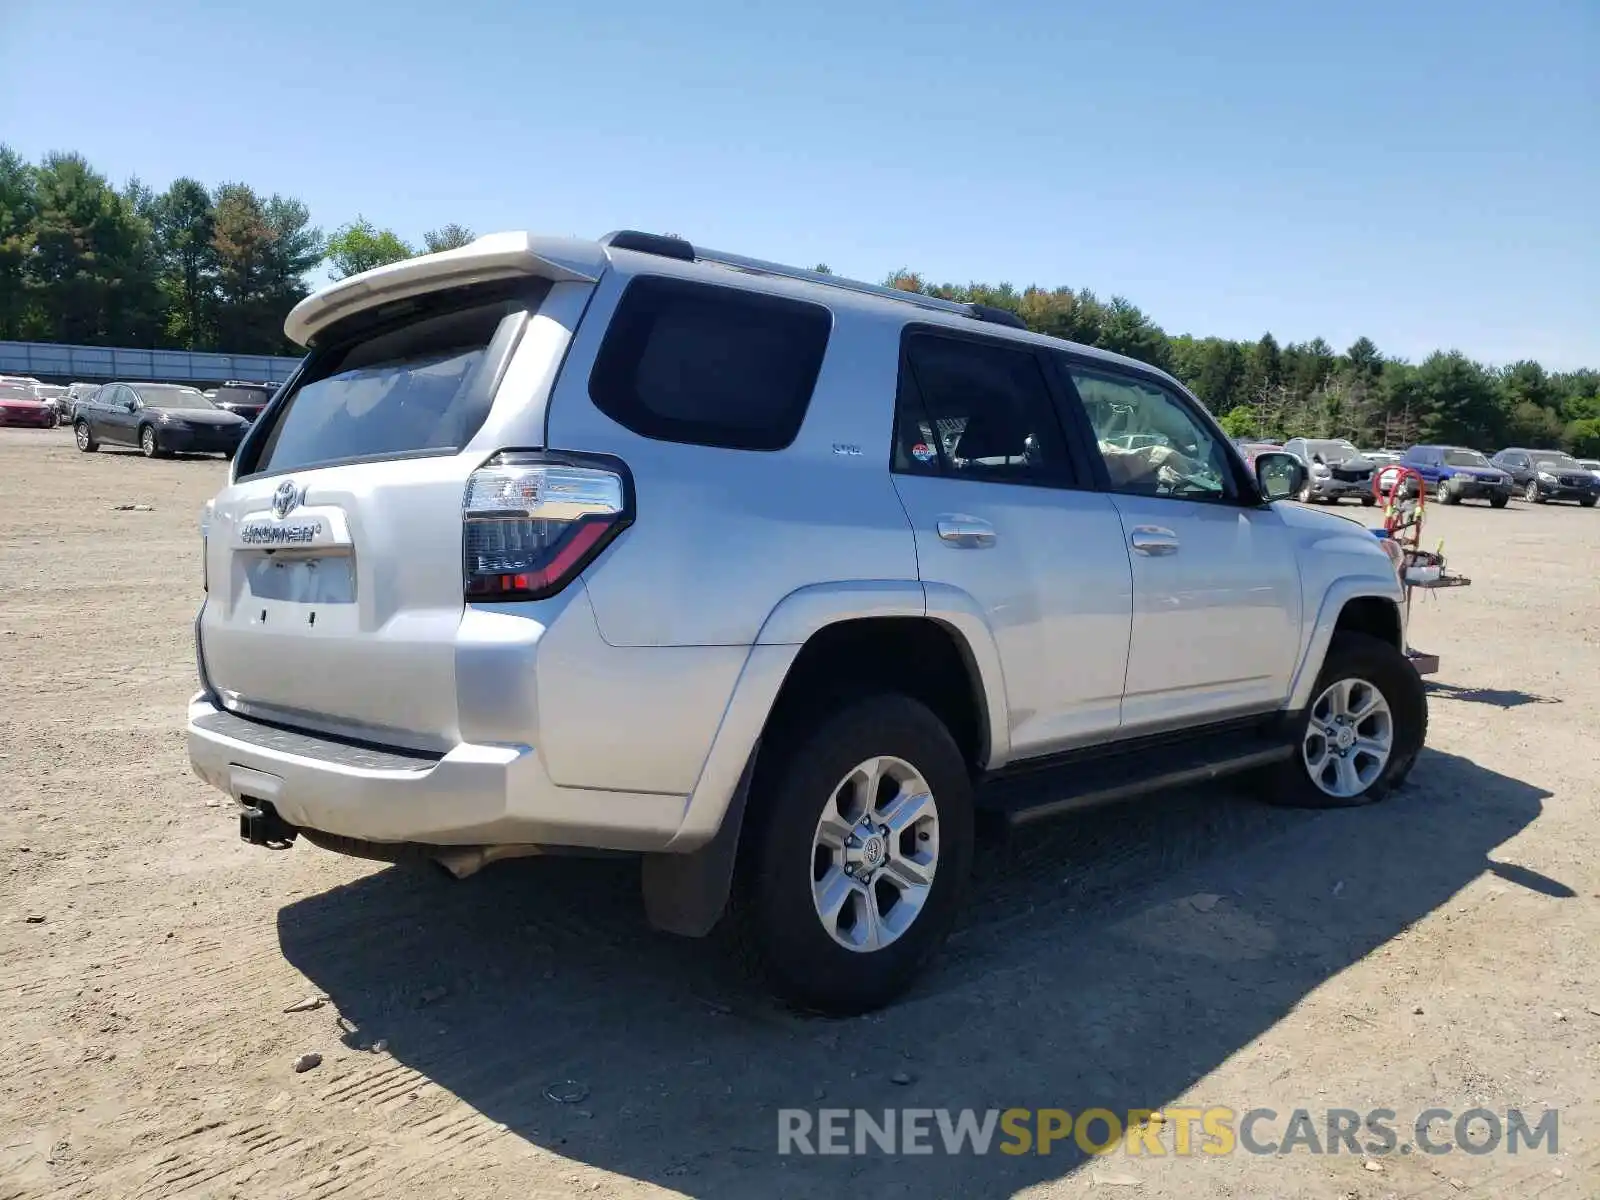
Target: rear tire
{"points": [[85, 437], [1372, 676], [793, 865]]}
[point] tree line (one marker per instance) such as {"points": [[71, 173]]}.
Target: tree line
{"points": [[218, 268], [189, 268], [1267, 390]]}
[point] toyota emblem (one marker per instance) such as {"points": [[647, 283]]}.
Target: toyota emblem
{"points": [[285, 498]]}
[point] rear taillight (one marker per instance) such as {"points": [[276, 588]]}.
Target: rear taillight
{"points": [[533, 520]]}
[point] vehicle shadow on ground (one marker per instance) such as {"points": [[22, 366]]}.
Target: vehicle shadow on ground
{"points": [[1109, 959], [1498, 697]]}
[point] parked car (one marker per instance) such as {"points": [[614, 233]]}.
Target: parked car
{"points": [[1382, 458], [1591, 465], [54, 397], [159, 418], [1454, 474], [76, 393], [655, 580], [19, 406], [1544, 475], [1334, 469], [242, 399]]}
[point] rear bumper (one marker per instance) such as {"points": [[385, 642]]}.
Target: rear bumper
{"points": [[45, 420], [473, 795]]}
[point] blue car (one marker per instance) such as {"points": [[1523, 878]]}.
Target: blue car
{"points": [[1455, 473]]}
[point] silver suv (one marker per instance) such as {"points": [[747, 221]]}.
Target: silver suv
{"points": [[770, 577]]}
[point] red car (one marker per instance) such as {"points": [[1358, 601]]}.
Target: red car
{"points": [[19, 407]]}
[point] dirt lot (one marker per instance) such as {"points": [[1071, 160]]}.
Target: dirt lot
{"points": [[1436, 951]]}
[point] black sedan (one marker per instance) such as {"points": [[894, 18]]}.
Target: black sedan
{"points": [[1544, 475], [158, 418]]}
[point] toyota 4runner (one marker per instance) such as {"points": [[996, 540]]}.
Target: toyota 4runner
{"points": [[773, 578]]}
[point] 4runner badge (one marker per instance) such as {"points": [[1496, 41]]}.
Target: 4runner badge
{"points": [[285, 498]]}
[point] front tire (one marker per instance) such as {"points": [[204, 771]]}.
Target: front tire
{"points": [[1361, 734], [1499, 500], [1531, 492], [855, 855], [1586, 501], [85, 437], [149, 446], [1368, 501]]}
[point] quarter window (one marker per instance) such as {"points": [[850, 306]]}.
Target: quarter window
{"points": [[713, 366]]}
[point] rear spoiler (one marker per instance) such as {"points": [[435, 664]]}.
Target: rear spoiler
{"points": [[497, 256]]}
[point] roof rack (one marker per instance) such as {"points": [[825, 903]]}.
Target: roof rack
{"points": [[668, 246]]}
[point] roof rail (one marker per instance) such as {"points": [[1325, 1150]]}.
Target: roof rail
{"points": [[677, 248]]}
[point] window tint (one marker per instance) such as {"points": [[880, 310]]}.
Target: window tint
{"points": [[715, 366], [422, 387], [1151, 442], [976, 410]]}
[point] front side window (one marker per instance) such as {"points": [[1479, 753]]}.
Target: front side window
{"points": [[1151, 442], [710, 366], [970, 409]]}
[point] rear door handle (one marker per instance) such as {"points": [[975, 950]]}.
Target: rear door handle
{"points": [[968, 533], [1153, 540]]}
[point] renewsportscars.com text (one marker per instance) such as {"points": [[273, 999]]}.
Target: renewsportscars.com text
{"points": [[1172, 1131]]}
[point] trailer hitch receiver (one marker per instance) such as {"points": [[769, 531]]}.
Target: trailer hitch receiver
{"points": [[260, 825]]}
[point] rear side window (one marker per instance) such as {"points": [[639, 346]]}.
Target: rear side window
{"points": [[972, 409], [423, 387], [712, 366]]}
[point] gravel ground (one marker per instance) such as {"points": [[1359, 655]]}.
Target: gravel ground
{"points": [[1193, 950]]}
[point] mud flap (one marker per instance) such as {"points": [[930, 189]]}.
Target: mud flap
{"points": [[687, 893]]}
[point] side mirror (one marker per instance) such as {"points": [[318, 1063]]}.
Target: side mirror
{"points": [[1279, 475], [130, 405]]}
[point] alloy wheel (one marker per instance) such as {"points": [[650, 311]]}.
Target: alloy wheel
{"points": [[874, 854], [1349, 738]]}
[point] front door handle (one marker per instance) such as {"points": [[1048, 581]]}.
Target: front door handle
{"points": [[969, 533], [1153, 540]]}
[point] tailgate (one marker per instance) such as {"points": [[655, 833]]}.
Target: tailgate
{"points": [[341, 614]]}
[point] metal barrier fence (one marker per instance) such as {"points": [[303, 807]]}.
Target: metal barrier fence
{"points": [[94, 364]]}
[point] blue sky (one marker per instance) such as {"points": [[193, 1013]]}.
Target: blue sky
{"points": [[1426, 174]]}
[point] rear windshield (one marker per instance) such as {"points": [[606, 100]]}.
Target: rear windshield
{"points": [[15, 391], [1465, 458], [420, 388]]}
